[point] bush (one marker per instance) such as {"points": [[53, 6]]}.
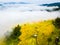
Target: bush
{"points": [[57, 22]]}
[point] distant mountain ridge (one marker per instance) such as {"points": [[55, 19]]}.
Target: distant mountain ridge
{"points": [[16, 3], [52, 4], [4, 3]]}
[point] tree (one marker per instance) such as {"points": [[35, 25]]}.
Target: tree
{"points": [[16, 32], [57, 22], [13, 38]]}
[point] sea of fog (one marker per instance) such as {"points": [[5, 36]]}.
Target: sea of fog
{"points": [[11, 15]]}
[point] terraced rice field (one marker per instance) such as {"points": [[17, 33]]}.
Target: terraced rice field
{"points": [[37, 33]]}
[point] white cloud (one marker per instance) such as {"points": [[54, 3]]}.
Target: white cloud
{"points": [[10, 18], [10, 0], [33, 1], [25, 7], [18, 14]]}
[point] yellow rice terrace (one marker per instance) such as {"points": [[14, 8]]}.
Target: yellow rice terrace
{"points": [[38, 33]]}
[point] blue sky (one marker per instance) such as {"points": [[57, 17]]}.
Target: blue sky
{"points": [[32, 1]]}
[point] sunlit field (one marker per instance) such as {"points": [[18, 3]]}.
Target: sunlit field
{"points": [[45, 32]]}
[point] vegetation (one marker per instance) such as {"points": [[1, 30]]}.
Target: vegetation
{"points": [[57, 22], [42, 29], [46, 31], [37, 33], [13, 38]]}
